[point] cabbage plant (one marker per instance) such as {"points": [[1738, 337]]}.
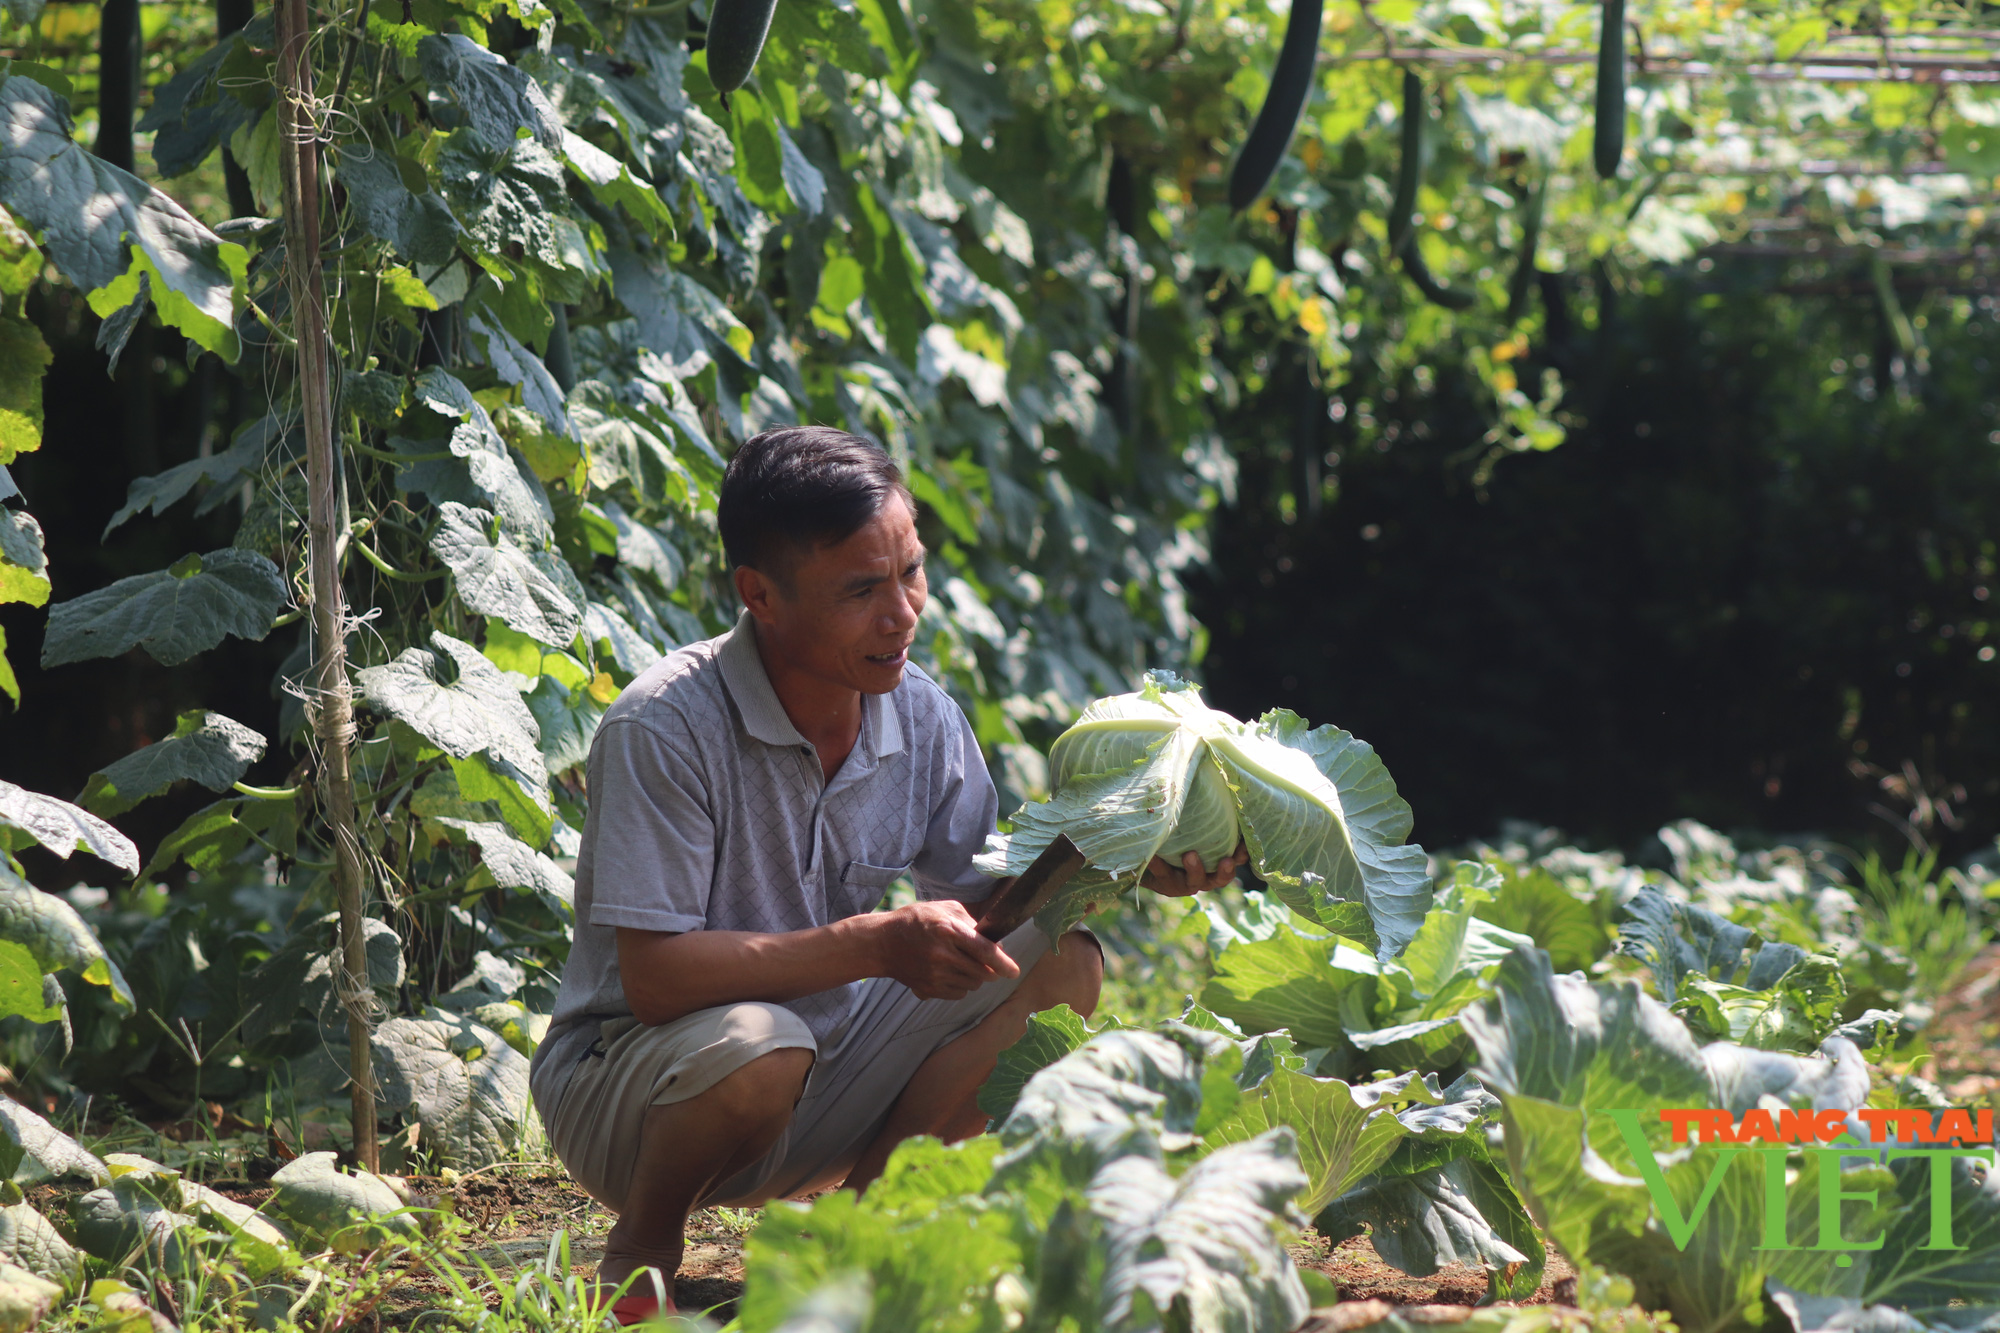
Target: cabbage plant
{"points": [[1159, 773]]}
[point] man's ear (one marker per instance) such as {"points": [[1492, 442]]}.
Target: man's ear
{"points": [[758, 591]]}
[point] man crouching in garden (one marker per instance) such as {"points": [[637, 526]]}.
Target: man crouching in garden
{"points": [[736, 1023]]}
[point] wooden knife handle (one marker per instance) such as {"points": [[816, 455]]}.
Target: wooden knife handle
{"points": [[1031, 891]]}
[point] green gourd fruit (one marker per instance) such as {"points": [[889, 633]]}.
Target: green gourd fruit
{"points": [[1609, 139], [1278, 119], [736, 33], [1402, 232]]}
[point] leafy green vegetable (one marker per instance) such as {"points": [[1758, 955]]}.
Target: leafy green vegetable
{"points": [[1562, 1054], [205, 747], [419, 226], [1051, 1035], [123, 1219], [1157, 773], [167, 488], [1794, 1012], [1198, 1251]]}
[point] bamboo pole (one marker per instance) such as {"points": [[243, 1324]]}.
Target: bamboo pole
{"points": [[333, 712]]}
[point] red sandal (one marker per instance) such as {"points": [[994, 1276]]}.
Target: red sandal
{"points": [[629, 1310]]}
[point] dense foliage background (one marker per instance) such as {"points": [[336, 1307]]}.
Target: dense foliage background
{"points": [[1662, 497]]}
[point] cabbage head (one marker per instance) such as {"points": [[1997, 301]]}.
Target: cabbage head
{"points": [[1161, 773]]}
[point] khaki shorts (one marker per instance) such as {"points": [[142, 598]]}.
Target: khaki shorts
{"points": [[595, 1122]]}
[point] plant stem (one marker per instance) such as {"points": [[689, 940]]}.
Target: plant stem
{"points": [[333, 715]]}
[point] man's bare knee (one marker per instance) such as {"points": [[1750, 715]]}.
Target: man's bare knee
{"points": [[1072, 975]]}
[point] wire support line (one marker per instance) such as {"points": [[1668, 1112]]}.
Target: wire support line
{"points": [[1983, 67]]}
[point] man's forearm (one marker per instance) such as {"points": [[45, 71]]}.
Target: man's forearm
{"points": [[669, 976]]}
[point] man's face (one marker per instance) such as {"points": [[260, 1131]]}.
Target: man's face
{"points": [[848, 612]]}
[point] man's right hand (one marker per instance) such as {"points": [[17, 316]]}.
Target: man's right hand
{"points": [[935, 949]]}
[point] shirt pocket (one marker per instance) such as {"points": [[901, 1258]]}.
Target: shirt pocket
{"points": [[861, 875]]}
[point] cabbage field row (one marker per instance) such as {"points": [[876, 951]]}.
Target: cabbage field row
{"points": [[1437, 1077]]}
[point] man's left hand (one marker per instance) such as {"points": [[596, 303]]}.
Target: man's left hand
{"points": [[1171, 881]]}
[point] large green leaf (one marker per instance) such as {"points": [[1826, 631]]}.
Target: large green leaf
{"points": [[481, 471], [191, 114], [645, 548], [458, 701], [207, 748], [61, 827], [1341, 1136], [519, 201], [355, 1210], [24, 356], [1678, 940], [1094, 1103], [932, 1262], [680, 321], [52, 931], [29, 1240], [1451, 953], [172, 613], [32, 1150], [495, 577], [568, 720], [1317, 988], [24, 569], [500, 102], [1051, 1035], [104, 228], [167, 488], [1461, 1212], [1535, 903], [512, 863], [1205, 1251], [463, 1084], [419, 225], [216, 834], [517, 364], [124, 1220]]}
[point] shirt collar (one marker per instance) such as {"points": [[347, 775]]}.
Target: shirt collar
{"points": [[764, 717]]}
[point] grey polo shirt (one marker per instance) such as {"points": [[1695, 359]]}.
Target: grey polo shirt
{"points": [[708, 811]]}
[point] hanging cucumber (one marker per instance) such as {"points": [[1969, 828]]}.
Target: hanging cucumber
{"points": [[1451, 298], [1609, 140], [1411, 169], [1402, 212], [1278, 118], [736, 33], [1531, 240]]}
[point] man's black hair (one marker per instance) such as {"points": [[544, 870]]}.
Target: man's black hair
{"points": [[799, 487]]}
